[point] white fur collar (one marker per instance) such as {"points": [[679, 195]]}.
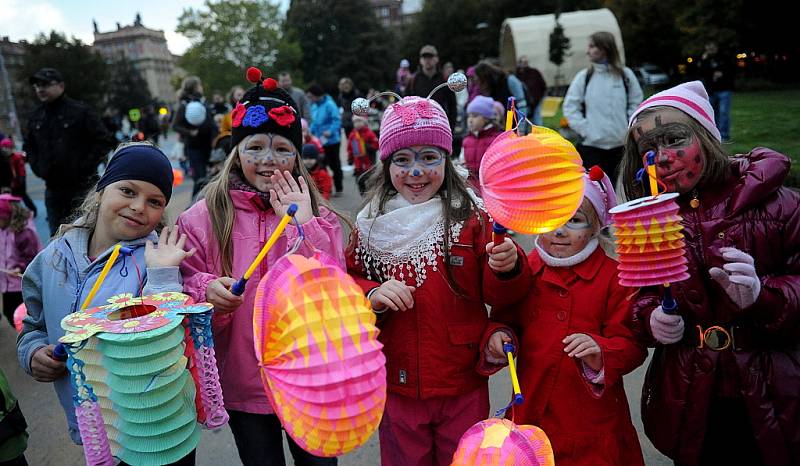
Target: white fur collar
{"points": [[576, 259]]}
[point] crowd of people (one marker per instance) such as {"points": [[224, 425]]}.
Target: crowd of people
{"points": [[421, 249]]}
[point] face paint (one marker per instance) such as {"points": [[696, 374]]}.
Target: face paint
{"points": [[679, 158], [570, 238], [261, 155], [418, 173]]}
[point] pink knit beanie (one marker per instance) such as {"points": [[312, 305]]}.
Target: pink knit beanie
{"points": [[414, 121], [600, 192], [691, 98]]}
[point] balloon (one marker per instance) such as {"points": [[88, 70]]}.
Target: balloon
{"points": [[532, 184], [195, 113]]}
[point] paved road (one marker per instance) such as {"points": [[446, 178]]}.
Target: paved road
{"points": [[50, 445]]}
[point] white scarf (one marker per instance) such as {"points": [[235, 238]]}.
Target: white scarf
{"points": [[405, 240], [575, 259]]}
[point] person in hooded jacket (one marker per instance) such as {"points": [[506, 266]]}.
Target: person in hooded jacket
{"points": [[723, 386]]}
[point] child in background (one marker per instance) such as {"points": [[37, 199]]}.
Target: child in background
{"points": [[422, 252], [19, 244], [575, 340], [482, 127], [309, 138], [315, 165], [261, 178], [361, 147], [16, 164], [126, 207]]}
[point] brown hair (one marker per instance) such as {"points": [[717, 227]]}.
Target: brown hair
{"points": [[605, 41], [19, 217], [457, 205], [222, 213], [717, 163]]}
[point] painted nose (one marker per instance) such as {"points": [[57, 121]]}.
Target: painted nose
{"points": [[416, 172], [663, 157], [560, 231]]}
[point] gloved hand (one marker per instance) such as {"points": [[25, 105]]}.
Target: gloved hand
{"points": [[666, 328], [738, 277]]}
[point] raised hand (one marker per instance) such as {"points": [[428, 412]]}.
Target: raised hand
{"points": [[503, 257], [738, 277], [170, 250], [286, 191]]}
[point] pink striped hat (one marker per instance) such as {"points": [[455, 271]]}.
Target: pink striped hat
{"points": [[691, 98]]}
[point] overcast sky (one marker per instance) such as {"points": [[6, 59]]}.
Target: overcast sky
{"points": [[25, 19]]}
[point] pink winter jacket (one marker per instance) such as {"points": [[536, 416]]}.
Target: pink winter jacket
{"points": [[233, 333]]}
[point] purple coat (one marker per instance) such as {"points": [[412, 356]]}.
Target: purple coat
{"points": [[754, 213]]}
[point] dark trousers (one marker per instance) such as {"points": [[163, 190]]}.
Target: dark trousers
{"points": [[335, 164], [259, 440], [11, 299], [187, 460], [608, 159], [729, 437], [198, 161], [60, 205], [18, 461]]}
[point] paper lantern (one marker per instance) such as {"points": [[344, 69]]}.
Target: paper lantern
{"points": [[129, 364], [321, 362], [649, 241], [532, 184], [500, 442], [177, 177], [19, 314]]}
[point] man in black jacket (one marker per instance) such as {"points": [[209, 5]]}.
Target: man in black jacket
{"points": [[427, 77], [65, 142]]}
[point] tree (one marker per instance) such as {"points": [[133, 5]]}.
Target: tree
{"points": [[127, 88], [559, 45], [228, 36], [85, 72], [338, 40]]}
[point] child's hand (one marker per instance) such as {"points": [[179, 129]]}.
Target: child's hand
{"points": [[285, 191], [219, 294], [494, 353], [44, 367], [667, 328], [503, 257], [583, 347], [170, 250], [738, 277], [393, 294]]}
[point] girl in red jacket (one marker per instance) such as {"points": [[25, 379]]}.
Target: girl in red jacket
{"points": [[421, 250], [575, 340], [482, 125]]}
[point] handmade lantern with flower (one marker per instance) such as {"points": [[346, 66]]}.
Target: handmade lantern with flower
{"points": [[320, 358], [534, 183], [136, 370]]}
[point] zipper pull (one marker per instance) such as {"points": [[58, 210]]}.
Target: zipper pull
{"points": [[695, 202]]}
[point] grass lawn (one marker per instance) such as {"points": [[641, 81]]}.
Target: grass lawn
{"points": [[767, 118]]}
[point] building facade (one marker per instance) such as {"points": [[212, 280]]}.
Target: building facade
{"points": [[11, 59]]}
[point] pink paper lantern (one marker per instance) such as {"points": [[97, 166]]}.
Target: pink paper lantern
{"points": [[532, 184], [649, 241], [19, 314], [500, 442], [320, 358]]}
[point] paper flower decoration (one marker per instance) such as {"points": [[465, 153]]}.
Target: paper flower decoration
{"points": [[128, 363], [500, 442], [316, 343], [532, 184], [649, 241]]}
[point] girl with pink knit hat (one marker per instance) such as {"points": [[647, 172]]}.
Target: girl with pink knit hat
{"points": [[422, 252], [575, 339], [723, 384]]}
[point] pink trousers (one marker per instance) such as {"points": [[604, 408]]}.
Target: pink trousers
{"points": [[426, 432]]}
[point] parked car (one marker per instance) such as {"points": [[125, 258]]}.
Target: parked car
{"points": [[651, 75]]}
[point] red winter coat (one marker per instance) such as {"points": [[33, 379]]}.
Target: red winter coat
{"points": [[323, 181], [474, 148], [585, 426], [434, 345], [754, 213]]}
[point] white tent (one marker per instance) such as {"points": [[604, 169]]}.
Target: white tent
{"points": [[530, 36]]}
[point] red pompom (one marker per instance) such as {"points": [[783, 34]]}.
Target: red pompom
{"points": [[270, 84], [596, 173], [253, 74]]}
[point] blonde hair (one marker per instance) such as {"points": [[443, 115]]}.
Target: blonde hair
{"points": [[222, 213]]}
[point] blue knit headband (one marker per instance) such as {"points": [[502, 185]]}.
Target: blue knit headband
{"points": [[139, 162]]}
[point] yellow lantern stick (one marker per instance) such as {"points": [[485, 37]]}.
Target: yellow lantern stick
{"points": [[238, 287], [510, 114], [512, 369], [651, 172]]}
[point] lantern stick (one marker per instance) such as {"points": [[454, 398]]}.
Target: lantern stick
{"points": [[498, 233], [668, 303], [509, 349], [651, 172], [238, 287], [510, 114], [102, 277]]}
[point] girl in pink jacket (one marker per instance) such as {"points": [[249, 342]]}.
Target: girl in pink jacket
{"points": [[260, 179]]}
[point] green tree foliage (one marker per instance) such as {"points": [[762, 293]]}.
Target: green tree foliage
{"points": [[230, 35], [85, 72], [127, 88], [342, 38]]}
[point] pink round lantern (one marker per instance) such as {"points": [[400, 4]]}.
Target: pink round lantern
{"points": [[19, 314], [500, 442], [649, 241], [532, 184], [320, 358]]}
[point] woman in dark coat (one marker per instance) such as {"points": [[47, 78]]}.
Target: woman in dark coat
{"points": [[723, 386]]}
